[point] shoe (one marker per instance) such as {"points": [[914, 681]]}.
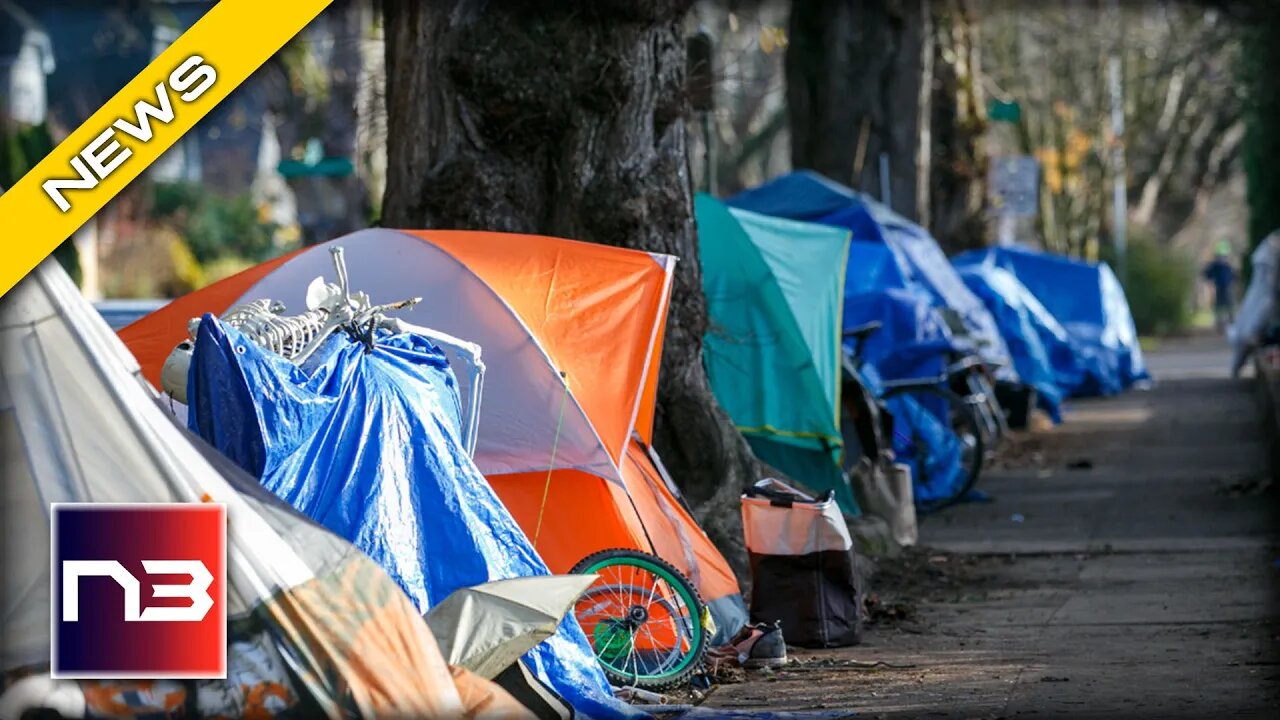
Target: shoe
{"points": [[755, 646]]}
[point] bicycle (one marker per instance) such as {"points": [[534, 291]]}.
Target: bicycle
{"points": [[646, 622], [978, 385], [922, 402]]}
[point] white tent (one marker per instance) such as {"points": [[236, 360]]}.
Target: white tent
{"points": [[78, 424], [1258, 309]]}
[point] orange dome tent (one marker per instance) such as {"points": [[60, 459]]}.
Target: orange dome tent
{"points": [[571, 334]]}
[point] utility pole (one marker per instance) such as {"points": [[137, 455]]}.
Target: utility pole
{"points": [[1119, 199]]}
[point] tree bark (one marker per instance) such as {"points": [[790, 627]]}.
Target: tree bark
{"points": [[567, 119], [859, 80], [958, 168], [1260, 56]]}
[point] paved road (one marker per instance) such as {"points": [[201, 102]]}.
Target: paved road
{"points": [[1139, 584]]}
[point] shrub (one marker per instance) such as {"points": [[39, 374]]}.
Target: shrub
{"points": [[213, 226], [1159, 283], [20, 149]]}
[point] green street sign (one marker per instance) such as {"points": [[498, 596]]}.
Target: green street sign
{"points": [[326, 167], [999, 111]]}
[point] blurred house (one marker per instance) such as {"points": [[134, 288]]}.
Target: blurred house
{"points": [[26, 61]]}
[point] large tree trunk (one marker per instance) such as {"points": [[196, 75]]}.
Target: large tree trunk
{"points": [[1260, 57], [566, 119], [958, 177], [859, 81]]}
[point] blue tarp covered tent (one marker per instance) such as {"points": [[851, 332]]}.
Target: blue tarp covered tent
{"points": [[913, 337], [922, 266], [1087, 300], [367, 444], [1030, 333], [911, 342]]}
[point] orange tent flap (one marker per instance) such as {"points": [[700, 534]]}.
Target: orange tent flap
{"points": [[593, 308], [153, 337], [649, 394], [676, 536], [583, 514]]}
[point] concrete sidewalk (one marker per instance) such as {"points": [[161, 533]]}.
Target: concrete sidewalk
{"points": [[1137, 583]]}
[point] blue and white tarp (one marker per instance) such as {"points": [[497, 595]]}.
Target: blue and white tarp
{"points": [[921, 441], [1088, 302], [912, 340], [1031, 334], [367, 444]]}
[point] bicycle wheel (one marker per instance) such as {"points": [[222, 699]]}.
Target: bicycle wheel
{"points": [[992, 414], [963, 423], [979, 394], [643, 618]]}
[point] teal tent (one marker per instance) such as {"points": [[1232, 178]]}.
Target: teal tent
{"points": [[775, 295]]}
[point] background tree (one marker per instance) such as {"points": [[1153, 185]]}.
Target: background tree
{"points": [[859, 84], [958, 168], [1260, 72], [750, 138], [1181, 107], [21, 148], [567, 118], [314, 83]]}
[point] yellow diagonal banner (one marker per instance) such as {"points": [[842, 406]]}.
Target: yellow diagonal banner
{"points": [[136, 126]]}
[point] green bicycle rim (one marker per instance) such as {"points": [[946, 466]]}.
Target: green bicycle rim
{"points": [[676, 584]]}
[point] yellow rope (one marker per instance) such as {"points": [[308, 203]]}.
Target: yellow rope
{"points": [[555, 446]]}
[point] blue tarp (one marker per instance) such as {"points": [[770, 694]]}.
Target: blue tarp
{"points": [[912, 340], [921, 265], [1088, 302], [872, 266], [367, 444], [1028, 333], [936, 458]]}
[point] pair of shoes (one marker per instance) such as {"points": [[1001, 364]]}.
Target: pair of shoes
{"points": [[757, 645]]}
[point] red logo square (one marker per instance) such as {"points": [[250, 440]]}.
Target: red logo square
{"points": [[138, 591]]}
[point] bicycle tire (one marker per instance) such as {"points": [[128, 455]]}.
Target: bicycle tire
{"points": [[998, 415], [964, 416], [690, 661], [990, 415]]}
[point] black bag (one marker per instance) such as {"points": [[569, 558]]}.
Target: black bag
{"points": [[538, 697], [802, 566]]}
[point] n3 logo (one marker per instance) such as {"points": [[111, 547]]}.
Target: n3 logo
{"points": [[197, 591], [139, 591]]}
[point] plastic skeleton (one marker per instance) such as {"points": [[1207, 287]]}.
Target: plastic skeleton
{"points": [[330, 308]]}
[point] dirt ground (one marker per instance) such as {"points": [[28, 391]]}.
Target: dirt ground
{"points": [[1126, 567]]}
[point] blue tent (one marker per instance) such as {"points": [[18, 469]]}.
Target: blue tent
{"points": [[922, 266], [1030, 332], [367, 444], [911, 342], [1089, 303]]}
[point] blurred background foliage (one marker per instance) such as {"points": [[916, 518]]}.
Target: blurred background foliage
{"points": [[20, 149], [1160, 283], [1201, 109]]}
